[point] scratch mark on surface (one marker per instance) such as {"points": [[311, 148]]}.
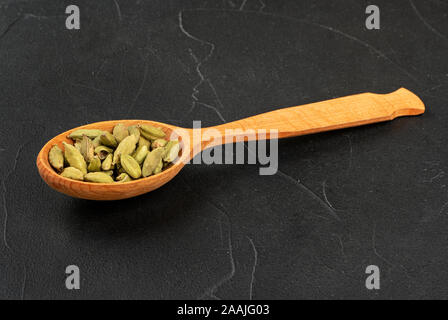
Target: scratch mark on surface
{"points": [[41, 17], [242, 5], [5, 207], [199, 63], [341, 244], [88, 87], [212, 291], [439, 175], [422, 19], [374, 247], [100, 68], [443, 208], [183, 66], [252, 281], [433, 88], [263, 5], [22, 293], [117, 7], [218, 100], [145, 75], [365, 44], [202, 80], [201, 76], [296, 182], [330, 210], [345, 35], [9, 27], [324, 186], [5, 210], [221, 235], [327, 266]]}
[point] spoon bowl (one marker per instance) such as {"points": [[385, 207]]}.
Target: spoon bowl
{"points": [[350, 111], [105, 191]]}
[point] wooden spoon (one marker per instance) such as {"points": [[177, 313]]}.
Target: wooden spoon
{"points": [[328, 115]]}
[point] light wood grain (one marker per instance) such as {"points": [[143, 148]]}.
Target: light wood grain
{"points": [[339, 113], [327, 115]]}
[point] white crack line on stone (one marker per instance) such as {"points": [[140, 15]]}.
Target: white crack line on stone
{"points": [[329, 28], [212, 291], [5, 191], [252, 281], [199, 64]]}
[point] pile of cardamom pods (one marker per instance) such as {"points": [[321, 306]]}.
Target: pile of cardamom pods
{"points": [[126, 154]]}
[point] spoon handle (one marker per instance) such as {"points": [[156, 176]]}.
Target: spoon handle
{"points": [[350, 111]]}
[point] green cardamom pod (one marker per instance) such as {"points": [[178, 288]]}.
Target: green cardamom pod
{"points": [[152, 161], [158, 143], [134, 130], [74, 157], [159, 167], [87, 149], [127, 146], [91, 133], [153, 131], [109, 172], [96, 142], [72, 173], [123, 177], [56, 158], [148, 136], [143, 142], [131, 166], [107, 163], [172, 149], [122, 154], [120, 132], [102, 152], [108, 139], [77, 145], [140, 154], [94, 165], [98, 177]]}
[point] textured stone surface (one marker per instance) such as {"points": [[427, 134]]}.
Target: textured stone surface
{"points": [[223, 230]]}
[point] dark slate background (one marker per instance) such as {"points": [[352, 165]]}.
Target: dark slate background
{"points": [[223, 231]]}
